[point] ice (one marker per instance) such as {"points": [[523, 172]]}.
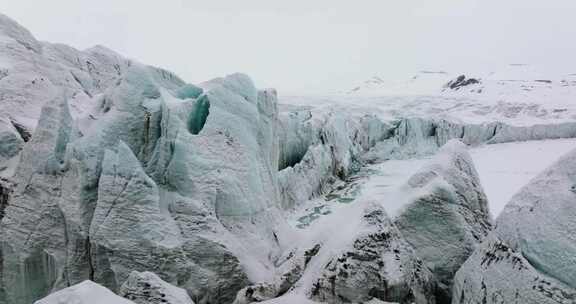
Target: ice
{"points": [[227, 195], [514, 95], [532, 250], [148, 288], [366, 244], [447, 216], [10, 30], [400, 186], [12, 143], [86, 292], [198, 115], [505, 168], [385, 184], [380, 182], [188, 91], [318, 148], [122, 174]]}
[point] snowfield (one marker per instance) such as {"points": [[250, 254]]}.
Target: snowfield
{"points": [[505, 168], [517, 94]]}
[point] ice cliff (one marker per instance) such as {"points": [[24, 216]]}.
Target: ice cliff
{"points": [[133, 170], [529, 256], [318, 148], [448, 216]]}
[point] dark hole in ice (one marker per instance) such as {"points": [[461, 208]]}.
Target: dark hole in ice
{"points": [[4, 195], [24, 133], [199, 115], [291, 160]]}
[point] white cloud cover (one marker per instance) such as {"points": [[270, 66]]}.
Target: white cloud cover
{"points": [[315, 46]]}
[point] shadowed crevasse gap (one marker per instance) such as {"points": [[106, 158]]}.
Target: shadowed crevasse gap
{"points": [[198, 115]]}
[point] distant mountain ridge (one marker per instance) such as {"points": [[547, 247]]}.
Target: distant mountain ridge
{"points": [[513, 79]]}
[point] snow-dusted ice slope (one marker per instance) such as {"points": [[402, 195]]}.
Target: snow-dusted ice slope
{"points": [[530, 256], [378, 182], [505, 168]]}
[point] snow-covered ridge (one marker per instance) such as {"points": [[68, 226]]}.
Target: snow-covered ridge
{"points": [[517, 94], [505, 79]]}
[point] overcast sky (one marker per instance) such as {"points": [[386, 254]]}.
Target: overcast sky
{"points": [[311, 46]]}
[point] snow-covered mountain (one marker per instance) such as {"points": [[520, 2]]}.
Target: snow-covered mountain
{"points": [[517, 94], [421, 83], [511, 81], [122, 183]]}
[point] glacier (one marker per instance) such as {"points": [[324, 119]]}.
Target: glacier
{"points": [[122, 183], [534, 262], [448, 214], [126, 188]]}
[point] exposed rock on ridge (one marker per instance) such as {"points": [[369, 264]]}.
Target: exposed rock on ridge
{"points": [[148, 288], [378, 264]]}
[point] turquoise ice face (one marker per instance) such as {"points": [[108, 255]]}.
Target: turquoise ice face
{"points": [[198, 115], [188, 91]]}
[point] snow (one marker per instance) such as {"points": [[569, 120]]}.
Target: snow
{"points": [[385, 185], [229, 158], [232, 154], [505, 168], [300, 298], [421, 83], [291, 298], [337, 234], [531, 251], [473, 109], [86, 292], [146, 288], [519, 95], [379, 182]]}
